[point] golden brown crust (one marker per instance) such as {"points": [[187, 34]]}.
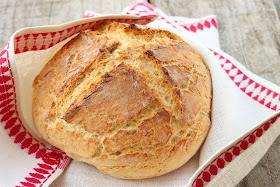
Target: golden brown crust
{"points": [[176, 76], [150, 132], [134, 102], [107, 102]]}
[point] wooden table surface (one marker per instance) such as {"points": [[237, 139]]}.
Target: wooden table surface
{"points": [[249, 31]]}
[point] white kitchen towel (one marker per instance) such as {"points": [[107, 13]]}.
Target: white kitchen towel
{"points": [[244, 112]]}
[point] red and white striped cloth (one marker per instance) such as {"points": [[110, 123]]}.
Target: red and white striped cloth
{"points": [[245, 109]]}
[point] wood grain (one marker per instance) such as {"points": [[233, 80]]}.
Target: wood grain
{"points": [[249, 31]]}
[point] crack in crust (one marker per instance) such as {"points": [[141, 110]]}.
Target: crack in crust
{"points": [[106, 100], [132, 101], [152, 131]]}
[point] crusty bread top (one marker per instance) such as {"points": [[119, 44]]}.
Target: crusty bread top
{"points": [[120, 93]]}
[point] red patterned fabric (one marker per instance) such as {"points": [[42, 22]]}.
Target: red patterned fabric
{"points": [[42, 41], [50, 159], [256, 91], [210, 171], [201, 25]]}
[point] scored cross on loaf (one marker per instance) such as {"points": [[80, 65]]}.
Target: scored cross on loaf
{"points": [[132, 101]]}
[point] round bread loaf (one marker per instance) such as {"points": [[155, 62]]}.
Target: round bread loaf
{"points": [[132, 101]]}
